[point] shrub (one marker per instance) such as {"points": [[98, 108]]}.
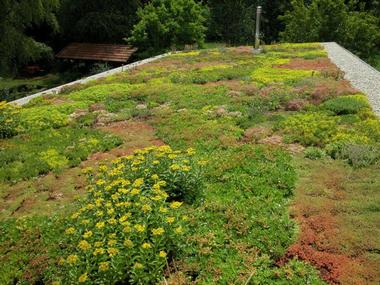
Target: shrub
{"points": [[369, 128], [314, 153], [126, 228], [346, 104], [361, 33], [350, 136], [54, 159], [9, 120], [310, 128], [42, 118], [99, 67], [166, 23], [357, 155], [331, 20]]}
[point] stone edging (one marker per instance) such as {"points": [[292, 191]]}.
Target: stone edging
{"points": [[57, 90], [362, 76]]}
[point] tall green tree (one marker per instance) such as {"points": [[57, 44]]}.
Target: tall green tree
{"points": [[97, 20], [16, 46], [233, 21], [319, 20], [166, 23], [332, 20]]}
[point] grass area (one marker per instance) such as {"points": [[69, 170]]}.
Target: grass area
{"points": [[13, 89], [250, 135]]}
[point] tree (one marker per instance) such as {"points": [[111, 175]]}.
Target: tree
{"points": [[362, 34], [97, 20], [233, 21], [319, 20], [271, 24], [332, 20], [16, 46], [166, 23]]}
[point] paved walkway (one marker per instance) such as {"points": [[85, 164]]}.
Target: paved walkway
{"points": [[361, 75]]}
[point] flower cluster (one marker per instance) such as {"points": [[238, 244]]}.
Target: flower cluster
{"points": [[129, 223]]}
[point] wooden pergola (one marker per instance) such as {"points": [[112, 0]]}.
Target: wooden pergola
{"points": [[97, 52]]}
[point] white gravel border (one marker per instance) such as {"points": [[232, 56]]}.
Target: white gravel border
{"points": [[361, 75], [57, 90]]}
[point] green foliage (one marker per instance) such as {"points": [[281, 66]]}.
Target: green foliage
{"points": [[310, 128], [369, 128], [244, 212], [270, 174], [314, 153], [295, 271], [16, 47], [332, 20], [42, 118], [267, 75], [321, 20], [344, 105], [29, 238], [9, 120], [233, 21], [97, 21], [350, 136], [101, 92], [361, 34], [167, 23], [374, 60], [47, 150], [212, 75], [357, 155], [196, 129], [126, 229], [13, 89], [237, 225]]}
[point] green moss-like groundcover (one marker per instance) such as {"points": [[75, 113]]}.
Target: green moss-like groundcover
{"points": [[238, 226]]}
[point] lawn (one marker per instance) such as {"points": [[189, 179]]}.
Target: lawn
{"points": [[212, 166]]}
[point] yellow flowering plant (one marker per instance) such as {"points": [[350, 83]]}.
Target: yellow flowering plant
{"points": [[9, 120], [130, 223]]}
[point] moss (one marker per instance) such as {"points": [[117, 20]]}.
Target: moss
{"points": [[99, 93], [268, 75], [344, 105], [310, 128]]}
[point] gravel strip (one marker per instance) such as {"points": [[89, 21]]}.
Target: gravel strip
{"points": [[361, 75]]}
